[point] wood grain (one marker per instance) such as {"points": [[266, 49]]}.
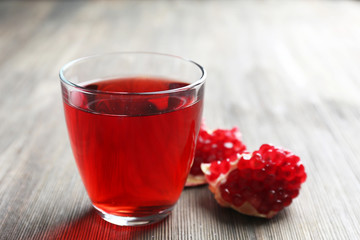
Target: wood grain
{"points": [[285, 72]]}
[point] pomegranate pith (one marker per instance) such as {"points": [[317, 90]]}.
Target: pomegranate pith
{"points": [[219, 145], [258, 184]]}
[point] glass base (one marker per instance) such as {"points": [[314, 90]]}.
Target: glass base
{"points": [[133, 221]]}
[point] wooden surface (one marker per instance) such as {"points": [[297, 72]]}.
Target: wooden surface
{"points": [[285, 72]]}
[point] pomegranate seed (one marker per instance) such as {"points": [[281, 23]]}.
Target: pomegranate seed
{"points": [[238, 200], [259, 175], [245, 173]]}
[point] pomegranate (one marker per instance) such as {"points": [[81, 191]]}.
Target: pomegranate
{"points": [[218, 145], [258, 184]]}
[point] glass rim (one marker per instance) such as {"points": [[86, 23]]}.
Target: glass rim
{"points": [[199, 81]]}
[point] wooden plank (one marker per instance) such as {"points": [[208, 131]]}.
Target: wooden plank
{"points": [[284, 72]]}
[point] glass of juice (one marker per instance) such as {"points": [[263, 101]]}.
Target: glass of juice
{"points": [[133, 120]]}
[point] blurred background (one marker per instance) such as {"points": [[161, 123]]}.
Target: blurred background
{"points": [[304, 49]]}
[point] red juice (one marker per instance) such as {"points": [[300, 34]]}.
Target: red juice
{"points": [[133, 151]]}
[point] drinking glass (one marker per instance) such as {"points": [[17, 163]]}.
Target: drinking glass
{"points": [[133, 120]]}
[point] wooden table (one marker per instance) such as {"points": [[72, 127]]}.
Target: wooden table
{"points": [[285, 72]]}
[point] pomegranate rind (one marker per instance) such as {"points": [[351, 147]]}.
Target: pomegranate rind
{"points": [[195, 180]]}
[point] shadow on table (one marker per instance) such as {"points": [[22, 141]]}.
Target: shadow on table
{"points": [[91, 226], [229, 216]]}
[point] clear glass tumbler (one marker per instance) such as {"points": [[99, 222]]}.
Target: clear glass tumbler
{"points": [[133, 120]]}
